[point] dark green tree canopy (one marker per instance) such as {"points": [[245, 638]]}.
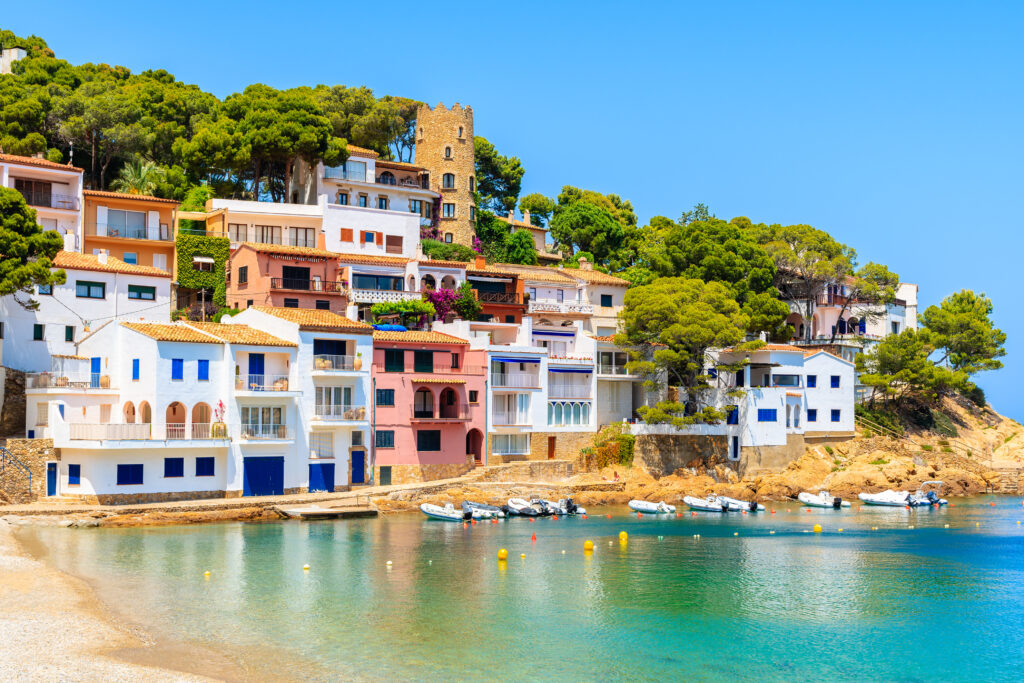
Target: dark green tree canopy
{"points": [[962, 331], [521, 249], [540, 207], [582, 226], [498, 178], [26, 251]]}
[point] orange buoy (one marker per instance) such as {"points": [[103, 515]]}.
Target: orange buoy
{"points": [[679, 514], [693, 514], [554, 517], [744, 512], [494, 521], [992, 504], [639, 514], [907, 506], [608, 516], [531, 519], [773, 512], [584, 516], [465, 526], [533, 538]]}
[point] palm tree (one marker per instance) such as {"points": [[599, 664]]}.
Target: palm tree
{"points": [[138, 177]]}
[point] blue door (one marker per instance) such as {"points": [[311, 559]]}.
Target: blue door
{"points": [[263, 476], [95, 368], [321, 476], [51, 479], [358, 467], [256, 370]]}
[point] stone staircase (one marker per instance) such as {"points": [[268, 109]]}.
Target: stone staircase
{"points": [[1009, 480]]}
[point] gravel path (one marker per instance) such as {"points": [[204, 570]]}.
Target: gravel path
{"points": [[52, 628]]}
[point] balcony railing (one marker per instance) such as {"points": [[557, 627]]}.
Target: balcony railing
{"points": [[432, 370], [337, 411], [518, 380], [569, 391], [261, 383], [499, 297], [50, 200], [611, 369], [264, 432], [510, 418], [542, 306], [442, 414], [373, 296], [341, 174], [70, 380], [202, 232], [162, 232], [144, 431], [326, 362], [318, 286]]}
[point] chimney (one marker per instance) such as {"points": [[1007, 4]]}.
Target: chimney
{"points": [[420, 256], [511, 215], [585, 264], [102, 256], [481, 262], [526, 216]]}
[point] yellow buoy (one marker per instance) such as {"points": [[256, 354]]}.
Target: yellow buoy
{"points": [[206, 573], [388, 563], [817, 528], [305, 567], [947, 526], [522, 555], [772, 531], [502, 554], [623, 536], [588, 546], [735, 533], [840, 530]]}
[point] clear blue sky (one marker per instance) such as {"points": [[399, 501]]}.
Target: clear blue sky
{"points": [[897, 127]]}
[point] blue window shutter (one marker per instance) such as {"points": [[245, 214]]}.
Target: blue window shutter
{"points": [[835, 381], [733, 413], [129, 475], [812, 381], [205, 466], [862, 326], [177, 368], [766, 415], [135, 368], [812, 414], [204, 370], [836, 413], [174, 467], [74, 475]]}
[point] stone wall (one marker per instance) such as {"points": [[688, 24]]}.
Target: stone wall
{"points": [[545, 470], [662, 454], [755, 459], [414, 474], [567, 447], [437, 130], [12, 403], [14, 481]]}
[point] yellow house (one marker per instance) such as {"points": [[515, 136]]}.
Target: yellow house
{"points": [[133, 227]]}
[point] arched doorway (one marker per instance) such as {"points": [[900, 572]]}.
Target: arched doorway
{"points": [[475, 446], [797, 321], [427, 282], [412, 283], [852, 324], [129, 413], [447, 282], [201, 421], [174, 418], [145, 413], [423, 403], [449, 403]]}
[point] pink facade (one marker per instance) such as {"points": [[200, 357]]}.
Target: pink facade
{"points": [[285, 276], [428, 399]]}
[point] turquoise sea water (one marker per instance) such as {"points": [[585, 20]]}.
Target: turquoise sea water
{"points": [[897, 603]]}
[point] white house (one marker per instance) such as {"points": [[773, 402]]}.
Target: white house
{"points": [[98, 289], [829, 387], [53, 190]]}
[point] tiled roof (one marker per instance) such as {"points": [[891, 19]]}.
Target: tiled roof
{"points": [[361, 152], [172, 332], [126, 195], [444, 264], [416, 337], [538, 273], [370, 260], [489, 269], [64, 355], [384, 163], [33, 161], [240, 334], [767, 347], [316, 319], [595, 277], [288, 250], [610, 339], [76, 261], [808, 354]]}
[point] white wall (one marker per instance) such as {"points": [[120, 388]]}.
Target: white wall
{"points": [[99, 470], [824, 398], [401, 223]]}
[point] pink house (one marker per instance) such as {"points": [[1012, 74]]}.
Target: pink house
{"points": [[429, 416]]}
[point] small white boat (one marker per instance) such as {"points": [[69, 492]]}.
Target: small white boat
{"points": [[564, 506], [822, 499], [736, 505], [651, 508], [519, 506], [709, 504], [925, 498], [448, 513], [893, 499], [482, 510]]}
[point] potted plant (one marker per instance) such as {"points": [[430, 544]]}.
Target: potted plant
{"points": [[358, 362], [104, 381], [218, 430]]}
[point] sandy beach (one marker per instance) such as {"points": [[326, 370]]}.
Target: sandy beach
{"points": [[53, 628]]}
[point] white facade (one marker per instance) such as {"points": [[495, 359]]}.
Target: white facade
{"points": [[832, 397], [66, 314], [371, 231], [53, 190]]}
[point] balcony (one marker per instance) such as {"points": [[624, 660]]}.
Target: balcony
{"points": [[566, 307], [336, 412], [515, 380], [251, 432], [261, 383], [161, 233], [375, 296], [612, 369], [444, 414], [50, 200], [504, 418], [202, 232], [569, 391], [498, 297], [142, 431], [80, 380], [332, 173], [315, 286], [333, 363], [400, 182], [431, 370]]}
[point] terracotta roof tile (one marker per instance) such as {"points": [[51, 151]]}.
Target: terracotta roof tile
{"points": [[316, 319], [595, 277], [172, 332], [240, 334], [361, 152], [76, 261], [444, 264], [126, 195], [287, 250], [385, 163], [370, 260], [610, 338], [416, 337], [489, 269], [42, 163], [538, 273]]}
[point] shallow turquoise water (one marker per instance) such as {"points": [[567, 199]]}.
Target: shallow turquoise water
{"points": [[901, 604]]}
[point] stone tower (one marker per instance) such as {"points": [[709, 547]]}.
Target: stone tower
{"points": [[444, 146]]}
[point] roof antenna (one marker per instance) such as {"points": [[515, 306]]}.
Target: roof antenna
{"points": [[71, 157]]}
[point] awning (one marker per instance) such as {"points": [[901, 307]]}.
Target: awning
{"points": [[202, 259], [580, 371], [554, 334], [516, 360], [478, 278]]}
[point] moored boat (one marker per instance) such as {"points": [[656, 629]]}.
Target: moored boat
{"points": [[519, 506], [482, 510], [887, 498], [822, 499], [449, 513], [736, 505], [926, 497], [651, 508], [709, 504]]}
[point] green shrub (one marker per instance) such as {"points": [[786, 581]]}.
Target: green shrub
{"points": [[947, 449], [828, 449], [888, 419], [927, 447], [943, 442], [879, 461], [943, 424], [442, 251]]}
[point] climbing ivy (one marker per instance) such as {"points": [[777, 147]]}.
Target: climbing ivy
{"points": [[216, 248]]}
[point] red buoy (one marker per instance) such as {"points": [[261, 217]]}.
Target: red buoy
{"points": [[534, 538]]}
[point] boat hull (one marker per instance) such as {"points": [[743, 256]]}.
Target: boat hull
{"points": [[661, 508], [703, 505]]}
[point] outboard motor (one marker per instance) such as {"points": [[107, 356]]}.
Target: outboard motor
{"points": [[932, 497], [837, 503], [753, 506], [570, 507], [505, 509]]}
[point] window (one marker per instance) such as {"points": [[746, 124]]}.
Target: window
{"points": [[385, 397], [394, 360], [303, 237], [343, 198], [74, 475], [386, 178], [248, 303], [385, 438], [785, 380], [895, 328], [291, 303], [90, 290], [363, 199], [836, 414], [472, 184], [357, 438], [321, 444], [45, 290], [448, 210], [812, 414], [474, 396], [204, 371], [135, 369], [448, 238], [129, 475], [447, 152], [428, 440], [423, 361], [126, 224], [322, 305], [533, 293], [460, 131], [368, 237], [205, 466], [835, 381], [238, 232], [377, 282], [131, 257], [812, 381], [243, 275], [767, 415], [37, 332], [510, 318], [455, 361], [177, 369], [560, 295], [202, 264], [69, 333], [511, 444], [174, 467], [1, 330], [382, 203], [448, 181], [606, 300], [140, 292], [732, 415], [267, 234]]}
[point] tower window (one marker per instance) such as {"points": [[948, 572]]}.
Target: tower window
{"points": [[448, 181], [472, 184], [448, 210], [460, 131], [448, 237], [447, 152]]}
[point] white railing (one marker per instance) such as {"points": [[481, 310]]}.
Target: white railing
{"points": [[325, 361], [144, 431], [510, 418], [606, 369], [336, 411], [515, 380], [69, 380], [547, 306], [258, 432], [262, 383], [569, 391], [375, 296]]}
